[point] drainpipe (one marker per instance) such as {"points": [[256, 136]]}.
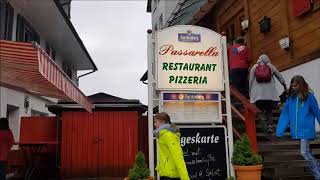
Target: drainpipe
{"points": [[86, 74]]}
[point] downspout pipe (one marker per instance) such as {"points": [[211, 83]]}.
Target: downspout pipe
{"points": [[87, 74]]}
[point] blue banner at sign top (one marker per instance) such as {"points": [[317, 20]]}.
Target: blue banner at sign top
{"points": [[184, 37], [190, 96]]}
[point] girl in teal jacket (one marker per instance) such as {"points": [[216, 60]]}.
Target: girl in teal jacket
{"points": [[300, 111]]}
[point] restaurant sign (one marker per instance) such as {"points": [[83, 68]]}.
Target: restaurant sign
{"points": [[188, 58]]}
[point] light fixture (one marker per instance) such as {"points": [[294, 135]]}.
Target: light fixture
{"points": [[26, 101], [245, 24], [285, 43]]}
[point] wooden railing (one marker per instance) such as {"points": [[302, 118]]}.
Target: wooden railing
{"points": [[248, 117]]}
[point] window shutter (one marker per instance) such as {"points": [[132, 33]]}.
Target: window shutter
{"points": [[300, 7]]}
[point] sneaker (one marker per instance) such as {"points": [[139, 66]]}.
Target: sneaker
{"points": [[270, 129]]}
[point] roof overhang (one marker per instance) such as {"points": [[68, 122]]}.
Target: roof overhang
{"points": [[55, 108], [204, 9], [26, 66], [190, 12], [53, 24]]}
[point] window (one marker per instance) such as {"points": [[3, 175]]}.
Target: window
{"points": [[48, 49], [242, 32], [155, 28], [154, 5], [316, 5], [160, 22], [6, 19], [25, 32], [53, 54], [66, 68], [233, 28]]}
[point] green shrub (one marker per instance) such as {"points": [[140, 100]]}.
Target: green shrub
{"points": [[243, 154], [139, 170]]}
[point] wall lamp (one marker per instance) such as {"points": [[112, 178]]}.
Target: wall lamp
{"points": [[245, 24], [285, 43]]}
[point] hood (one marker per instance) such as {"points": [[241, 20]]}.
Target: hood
{"points": [[263, 59], [164, 126]]}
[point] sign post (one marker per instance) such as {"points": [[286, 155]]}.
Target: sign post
{"points": [[191, 72], [150, 101]]}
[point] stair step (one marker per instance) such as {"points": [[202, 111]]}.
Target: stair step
{"points": [[291, 152], [262, 148], [285, 164], [278, 158], [280, 141], [303, 177], [266, 137]]}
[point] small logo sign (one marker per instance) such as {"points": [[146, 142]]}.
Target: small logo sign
{"points": [[189, 37]]}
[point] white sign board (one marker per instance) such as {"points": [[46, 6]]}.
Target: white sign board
{"points": [[192, 107], [188, 58]]}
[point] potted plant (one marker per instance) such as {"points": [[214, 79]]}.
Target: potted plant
{"points": [[139, 170], [247, 164], [231, 178]]}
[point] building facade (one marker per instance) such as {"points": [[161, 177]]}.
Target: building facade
{"points": [[161, 11], [47, 23], [265, 24], [269, 24]]}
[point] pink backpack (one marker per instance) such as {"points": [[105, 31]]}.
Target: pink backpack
{"points": [[263, 73]]}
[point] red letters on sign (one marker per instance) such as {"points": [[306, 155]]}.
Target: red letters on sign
{"points": [[169, 49]]}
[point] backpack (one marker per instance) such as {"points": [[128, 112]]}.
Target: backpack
{"points": [[263, 73]]}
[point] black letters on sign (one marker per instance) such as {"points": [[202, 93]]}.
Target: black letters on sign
{"points": [[205, 152]]}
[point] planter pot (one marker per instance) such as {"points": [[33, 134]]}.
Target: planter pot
{"points": [[148, 178], [248, 172]]}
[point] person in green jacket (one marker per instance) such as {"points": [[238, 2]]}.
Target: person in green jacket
{"points": [[171, 164]]}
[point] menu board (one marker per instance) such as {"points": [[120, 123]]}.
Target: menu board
{"points": [[205, 152], [192, 108]]}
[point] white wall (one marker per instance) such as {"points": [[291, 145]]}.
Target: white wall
{"points": [[310, 71], [16, 99]]}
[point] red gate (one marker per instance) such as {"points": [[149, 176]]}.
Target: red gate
{"points": [[101, 144]]}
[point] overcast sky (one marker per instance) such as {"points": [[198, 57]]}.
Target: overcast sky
{"points": [[115, 34]]}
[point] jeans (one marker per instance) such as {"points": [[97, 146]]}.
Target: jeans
{"points": [[2, 170], [306, 154]]}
